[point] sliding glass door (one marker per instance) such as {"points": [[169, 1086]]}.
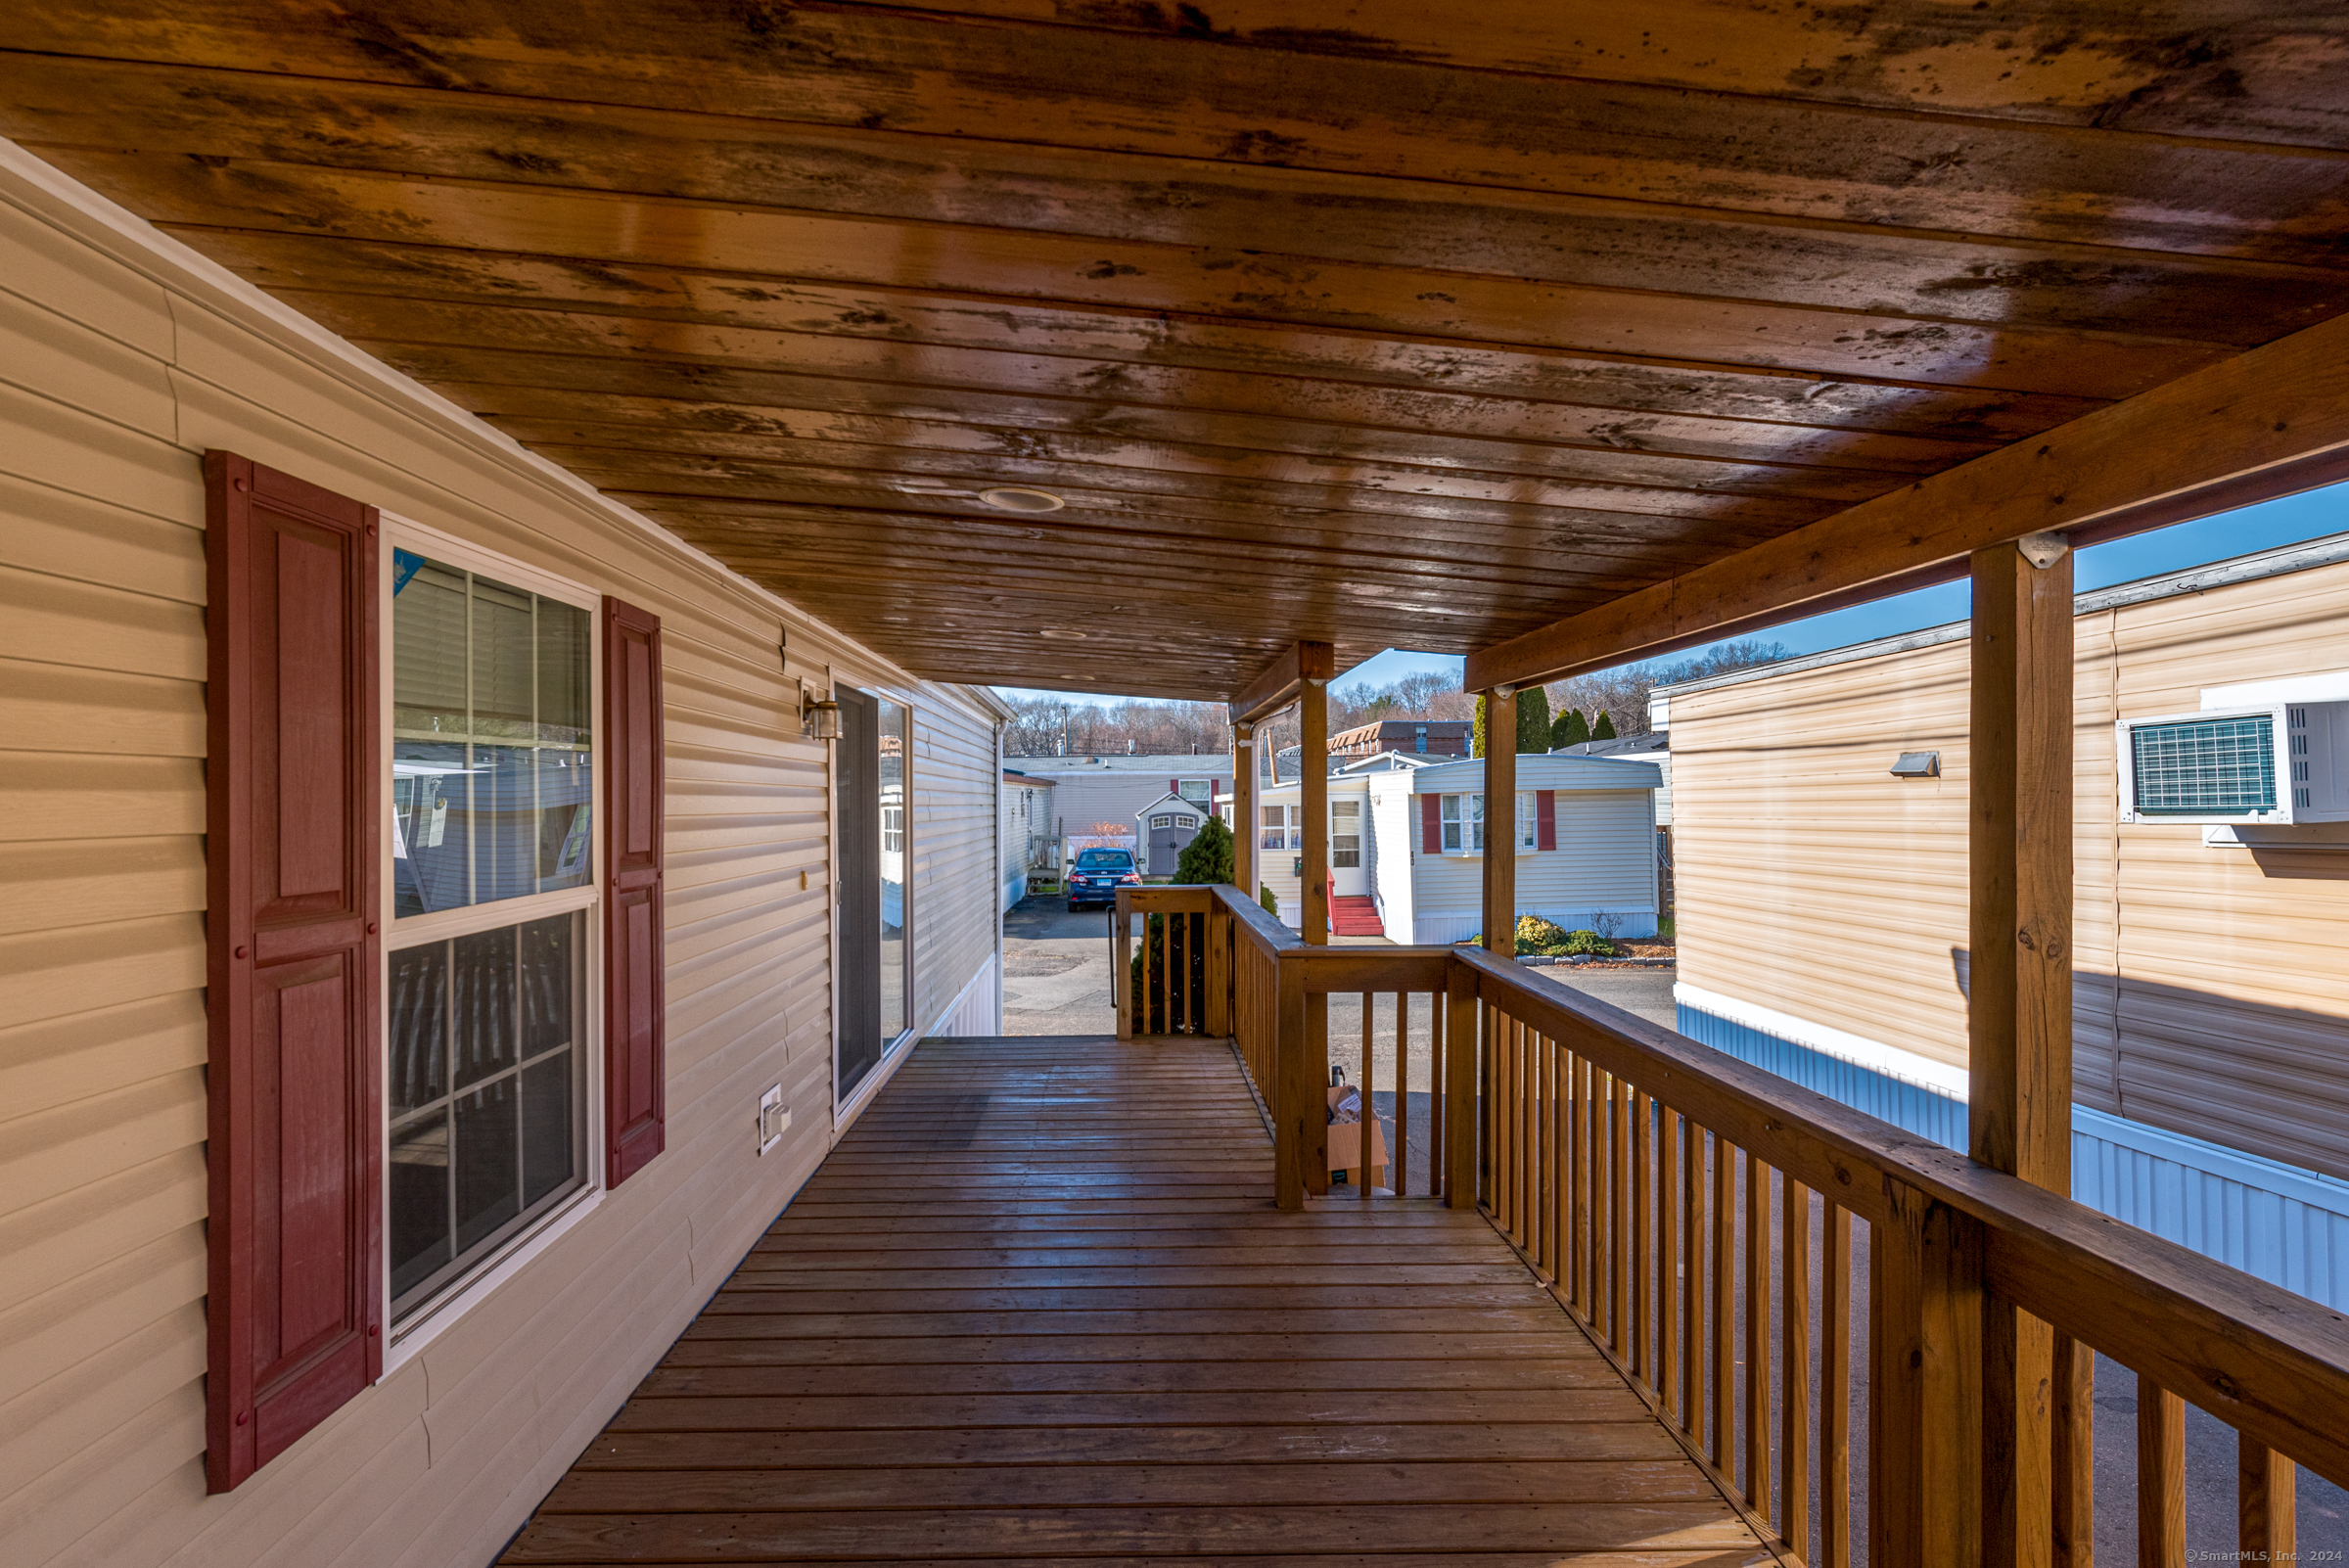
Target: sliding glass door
{"points": [[875, 997]]}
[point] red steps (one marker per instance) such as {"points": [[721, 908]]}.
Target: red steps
{"points": [[1355, 917]]}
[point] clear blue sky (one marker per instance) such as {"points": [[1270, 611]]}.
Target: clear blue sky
{"points": [[2264, 526]]}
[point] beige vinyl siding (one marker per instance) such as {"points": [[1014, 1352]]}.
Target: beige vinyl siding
{"points": [[2223, 974], [117, 368], [1808, 878], [956, 894]]}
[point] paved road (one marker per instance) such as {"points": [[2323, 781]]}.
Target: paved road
{"points": [[1056, 970]]}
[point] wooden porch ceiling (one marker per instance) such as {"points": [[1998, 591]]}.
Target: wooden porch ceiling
{"points": [[1359, 325]]}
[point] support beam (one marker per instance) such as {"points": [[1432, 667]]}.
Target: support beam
{"points": [[2020, 992], [2267, 423], [1312, 805], [1247, 828], [2019, 844], [1283, 682], [1501, 822]]}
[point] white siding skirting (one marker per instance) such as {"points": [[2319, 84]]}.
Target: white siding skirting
{"points": [[974, 1013], [2284, 1225]]}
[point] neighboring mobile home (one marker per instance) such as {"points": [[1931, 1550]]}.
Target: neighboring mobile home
{"points": [[515, 822], [1028, 840], [1823, 897], [1412, 841], [1089, 791]]}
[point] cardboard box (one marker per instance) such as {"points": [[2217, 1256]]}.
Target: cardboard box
{"points": [[1346, 1144]]}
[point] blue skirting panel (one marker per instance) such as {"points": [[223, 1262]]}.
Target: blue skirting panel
{"points": [[2284, 1225]]}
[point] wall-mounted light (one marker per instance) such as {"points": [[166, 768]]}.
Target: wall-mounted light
{"points": [[1918, 764], [821, 720]]}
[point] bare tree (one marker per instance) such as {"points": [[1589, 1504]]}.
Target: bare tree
{"points": [[1622, 693]]}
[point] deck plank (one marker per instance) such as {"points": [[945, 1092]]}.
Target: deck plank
{"points": [[1037, 1307]]}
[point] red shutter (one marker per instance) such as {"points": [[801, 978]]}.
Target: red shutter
{"points": [[1546, 819], [1431, 823], [293, 798], [636, 1018], [1175, 787]]}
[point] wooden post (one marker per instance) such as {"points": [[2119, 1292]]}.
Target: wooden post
{"points": [[1925, 1395], [1219, 997], [1500, 821], [1461, 1009], [1313, 797], [2019, 1007], [1300, 1114], [1247, 828], [1121, 983]]}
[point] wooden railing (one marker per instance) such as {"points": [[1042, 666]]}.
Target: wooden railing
{"points": [[1674, 1199]]}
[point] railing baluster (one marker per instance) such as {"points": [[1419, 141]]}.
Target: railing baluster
{"points": [[2160, 1476], [1641, 1360], [1835, 1390], [1601, 1109], [1794, 1364], [1669, 1264], [1436, 1094], [1403, 1094], [1619, 1216], [1692, 1281], [1725, 1305], [1522, 1118], [1369, 1123], [1578, 1184], [1757, 1333], [1560, 1141], [2072, 1454], [2267, 1516]]}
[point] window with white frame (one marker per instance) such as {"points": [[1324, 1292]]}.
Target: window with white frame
{"points": [[1163, 820], [1198, 791], [1463, 819], [493, 766], [1529, 834], [1278, 819]]}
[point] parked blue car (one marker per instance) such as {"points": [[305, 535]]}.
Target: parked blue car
{"points": [[1095, 876]]}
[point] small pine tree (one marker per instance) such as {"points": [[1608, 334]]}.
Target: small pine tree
{"points": [[1533, 720], [1532, 723], [1605, 729], [1570, 729], [1207, 858]]}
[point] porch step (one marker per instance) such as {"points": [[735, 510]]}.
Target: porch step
{"points": [[1355, 917]]}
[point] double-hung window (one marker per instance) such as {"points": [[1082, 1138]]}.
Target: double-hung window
{"points": [[1463, 819], [1282, 829], [1198, 791], [1528, 826], [493, 764]]}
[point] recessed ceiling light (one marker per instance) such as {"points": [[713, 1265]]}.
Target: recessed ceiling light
{"points": [[1060, 635], [1014, 498]]}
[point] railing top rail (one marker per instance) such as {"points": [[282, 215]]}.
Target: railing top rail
{"points": [[2271, 1364]]}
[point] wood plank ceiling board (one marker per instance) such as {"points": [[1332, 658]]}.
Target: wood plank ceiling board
{"points": [[1340, 325]]}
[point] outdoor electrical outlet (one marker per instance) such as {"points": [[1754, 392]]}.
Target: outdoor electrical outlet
{"points": [[772, 1117]]}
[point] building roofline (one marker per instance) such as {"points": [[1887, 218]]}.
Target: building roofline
{"points": [[2331, 550]]}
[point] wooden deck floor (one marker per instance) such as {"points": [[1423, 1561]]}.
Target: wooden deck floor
{"points": [[1037, 1306]]}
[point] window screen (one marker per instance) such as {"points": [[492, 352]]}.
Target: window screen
{"points": [[491, 743], [2205, 766]]}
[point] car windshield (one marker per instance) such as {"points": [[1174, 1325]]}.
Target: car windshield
{"points": [[1104, 860]]}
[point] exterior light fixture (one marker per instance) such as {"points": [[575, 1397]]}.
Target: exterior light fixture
{"points": [[819, 720], [1918, 764]]}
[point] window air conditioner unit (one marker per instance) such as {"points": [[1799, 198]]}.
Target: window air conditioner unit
{"points": [[2285, 763]]}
